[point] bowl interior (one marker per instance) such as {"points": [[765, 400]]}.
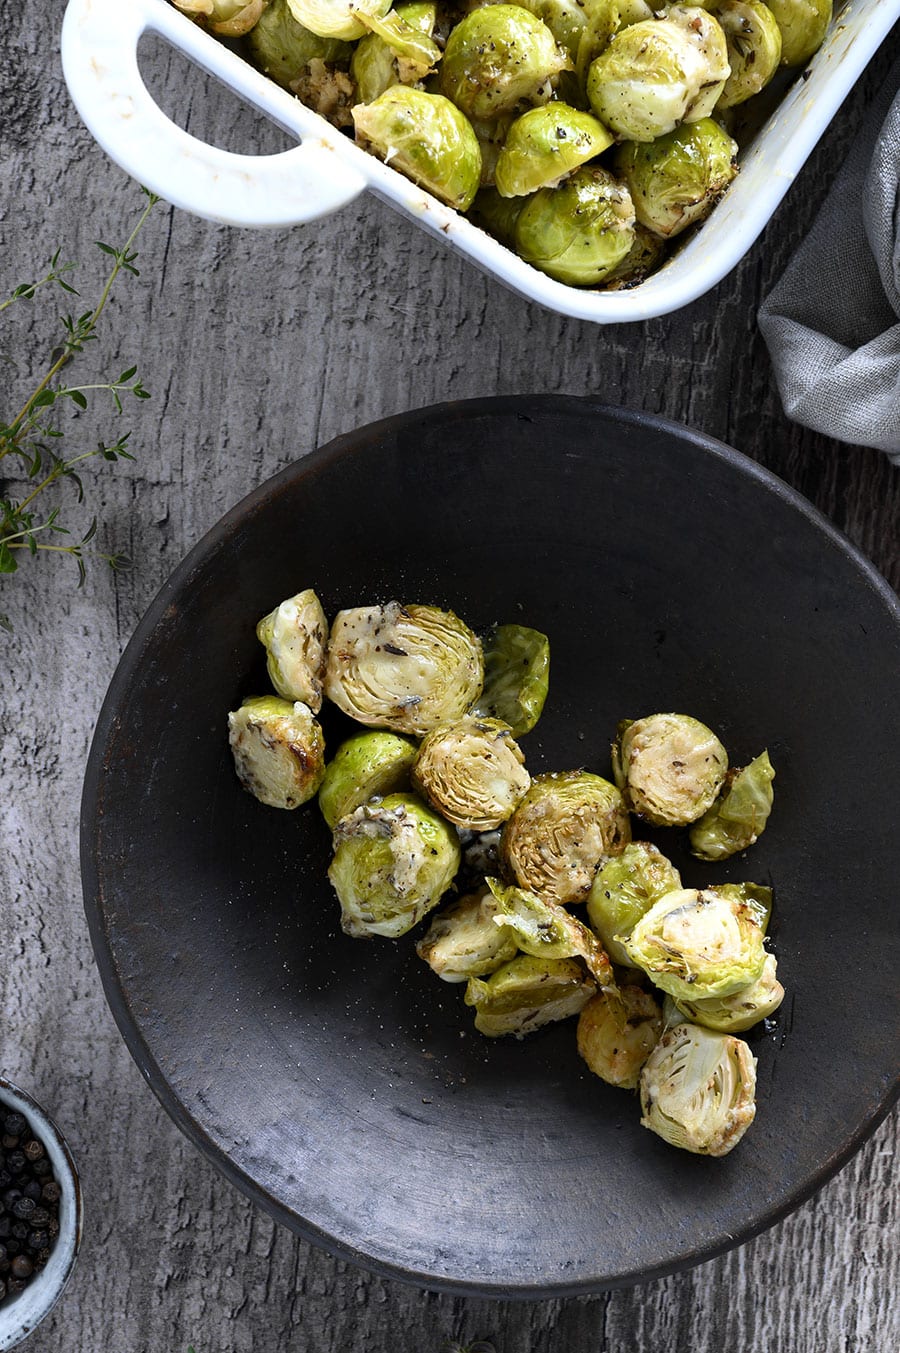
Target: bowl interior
{"points": [[338, 1080]]}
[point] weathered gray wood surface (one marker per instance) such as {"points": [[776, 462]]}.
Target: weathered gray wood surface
{"points": [[257, 347]]}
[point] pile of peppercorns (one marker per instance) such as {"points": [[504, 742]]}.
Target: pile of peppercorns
{"points": [[29, 1204]]}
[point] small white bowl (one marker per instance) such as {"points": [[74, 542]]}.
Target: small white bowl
{"points": [[20, 1315]]}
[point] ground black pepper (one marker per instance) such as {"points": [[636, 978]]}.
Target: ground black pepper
{"points": [[29, 1205]]}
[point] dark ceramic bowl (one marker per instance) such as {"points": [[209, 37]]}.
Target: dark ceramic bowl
{"points": [[338, 1082]]}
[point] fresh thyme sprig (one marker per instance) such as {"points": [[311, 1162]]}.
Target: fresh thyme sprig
{"points": [[28, 439]]}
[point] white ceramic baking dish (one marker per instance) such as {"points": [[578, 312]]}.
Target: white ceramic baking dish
{"points": [[99, 51]]}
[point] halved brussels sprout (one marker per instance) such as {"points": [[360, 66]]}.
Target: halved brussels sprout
{"points": [[670, 767], [295, 636], [661, 72], [516, 677], [527, 993], [498, 59], [409, 668], [472, 771], [463, 941], [546, 930], [426, 138], [677, 179], [742, 1009], [697, 943], [803, 25], [544, 145], [754, 48], [283, 48], [644, 255], [565, 19], [364, 767], [336, 18], [739, 815], [616, 1034], [603, 19], [698, 1090], [624, 889], [384, 56], [497, 215], [579, 232], [393, 861], [566, 826], [227, 18], [278, 749]]}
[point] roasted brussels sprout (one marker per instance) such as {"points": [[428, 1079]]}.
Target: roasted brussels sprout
{"points": [[579, 232], [659, 73], [698, 1090], [278, 749], [616, 1034], [516, 677], [498, 216], [463, 941], [603, 19], [697, 943], [546, 930], [408, 668], [566, 826], [364, 767], [336, 18], [742, 1009], [739, 815], [283, 48], [644, 255], [754, 48], [565, 18], [472, 771], [544, 145], [669, 767], [677, 179], [384, 57], [527, 993], [393, 861], [498, 59], [295, 636], [803, 25], [426, 138], [226, 18], [624, 888]]}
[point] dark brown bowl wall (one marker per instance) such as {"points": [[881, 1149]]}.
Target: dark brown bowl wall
{"points": [[338, 1081]]}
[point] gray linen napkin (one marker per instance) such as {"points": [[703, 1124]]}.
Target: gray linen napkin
{"points": [[832, 322]]}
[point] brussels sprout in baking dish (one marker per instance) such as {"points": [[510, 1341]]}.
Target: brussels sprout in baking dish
{"points": [[498, 59], [677, 179], [754, 48], [226, 18], [283, 48], [579, 232], [397, 50], [544, 145], [427, 138], [803, 25]]}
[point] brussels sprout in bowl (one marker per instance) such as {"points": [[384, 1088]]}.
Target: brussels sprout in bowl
{"points": [[339, 1081]]}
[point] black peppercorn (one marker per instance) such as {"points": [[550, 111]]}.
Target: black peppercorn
{"points": [[14, 1123], [37, 1240], [33, 1150], [51, 1191], [22, 1266], [23, 1208], [32, 1190], [41, 1168]]}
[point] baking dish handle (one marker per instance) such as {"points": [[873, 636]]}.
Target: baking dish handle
{"points": [[99, 54]]}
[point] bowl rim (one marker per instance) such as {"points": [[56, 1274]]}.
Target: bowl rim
{"points": [[16, 1330], [345, 445]]}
